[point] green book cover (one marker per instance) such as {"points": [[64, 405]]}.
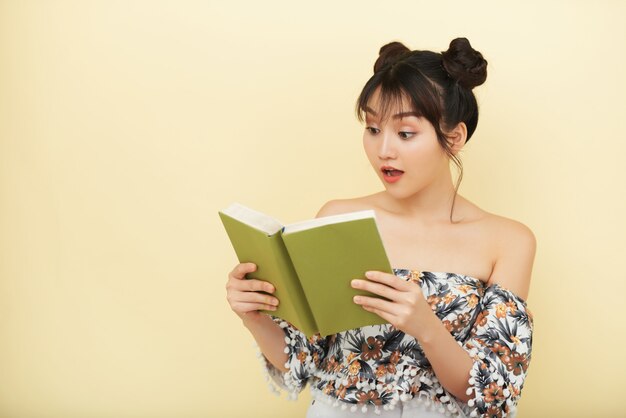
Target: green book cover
{"points": [[327, 257], [311, 264]]}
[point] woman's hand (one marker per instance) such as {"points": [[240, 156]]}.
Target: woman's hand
{"points": [[244, 295], [406, 309]]}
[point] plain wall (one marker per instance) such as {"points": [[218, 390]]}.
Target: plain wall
{"points": [[126, 126]]}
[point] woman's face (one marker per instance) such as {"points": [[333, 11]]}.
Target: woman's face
{"points": [[403, 149]]}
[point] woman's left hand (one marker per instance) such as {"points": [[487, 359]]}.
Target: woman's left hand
{"points": [[406, 309]]}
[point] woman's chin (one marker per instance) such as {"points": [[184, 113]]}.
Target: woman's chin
{"points": [[397, 193]]}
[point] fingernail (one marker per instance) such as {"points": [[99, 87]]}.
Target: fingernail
{"points": [[355, 283], [356, 299], [369, 274]]}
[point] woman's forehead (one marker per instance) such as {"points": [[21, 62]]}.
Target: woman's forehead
{"points": [[388, 103]]}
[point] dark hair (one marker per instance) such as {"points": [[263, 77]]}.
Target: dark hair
{"points": [[438, 87]]}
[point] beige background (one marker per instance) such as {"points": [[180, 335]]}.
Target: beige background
{"points": [[126, 126]]}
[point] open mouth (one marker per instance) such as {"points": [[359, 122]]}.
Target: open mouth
{"points": [[391, 172]]}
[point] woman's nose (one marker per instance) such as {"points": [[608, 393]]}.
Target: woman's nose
{"points": [[386, 150]]}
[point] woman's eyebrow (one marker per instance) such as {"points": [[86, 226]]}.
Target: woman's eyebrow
{"points": [[396, 116]]}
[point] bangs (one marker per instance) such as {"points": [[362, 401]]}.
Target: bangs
{"points": [[389, 100], [400, 85]]}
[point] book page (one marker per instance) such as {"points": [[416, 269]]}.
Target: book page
{"points": [[255, 219], [328, 220]]}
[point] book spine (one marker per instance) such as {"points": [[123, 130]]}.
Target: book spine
{"points": [[292, 289]]}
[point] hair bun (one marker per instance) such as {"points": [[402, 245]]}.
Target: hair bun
{"points": [[464, 64], [389, 54]]}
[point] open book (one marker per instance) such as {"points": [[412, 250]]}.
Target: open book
{"points": [[311, 264]]}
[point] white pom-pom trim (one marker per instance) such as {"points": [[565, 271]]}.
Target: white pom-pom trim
{"points": [[442, 404]]}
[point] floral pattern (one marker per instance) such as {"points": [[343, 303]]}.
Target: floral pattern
{"points": [[378, 366]]}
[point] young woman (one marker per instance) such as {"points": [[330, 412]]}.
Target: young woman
{"points": [[459, 337]]}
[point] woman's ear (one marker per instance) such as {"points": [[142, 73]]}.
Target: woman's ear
{"points": [[457, 137]]}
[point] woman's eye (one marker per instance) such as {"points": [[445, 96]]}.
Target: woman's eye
{"points": [[372, 130], [405, 135]]}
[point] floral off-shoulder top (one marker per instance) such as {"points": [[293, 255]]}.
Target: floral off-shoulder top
{"points": [[375, 367]]}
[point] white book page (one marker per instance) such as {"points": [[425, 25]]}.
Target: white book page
{"points": [[255, 219], [328, 220]]}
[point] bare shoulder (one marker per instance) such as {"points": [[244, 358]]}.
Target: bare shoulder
{"points": [[339, 206], [516, 248]]}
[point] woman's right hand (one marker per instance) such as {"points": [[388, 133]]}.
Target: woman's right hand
{"points": [[244, 295]]}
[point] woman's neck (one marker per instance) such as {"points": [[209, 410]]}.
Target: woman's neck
{"points": [[430, 205]]}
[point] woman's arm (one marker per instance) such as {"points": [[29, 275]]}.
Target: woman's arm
{"points": [[245, 300], [408, 311], [450, 362], [270, 338], [512, 271]]}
